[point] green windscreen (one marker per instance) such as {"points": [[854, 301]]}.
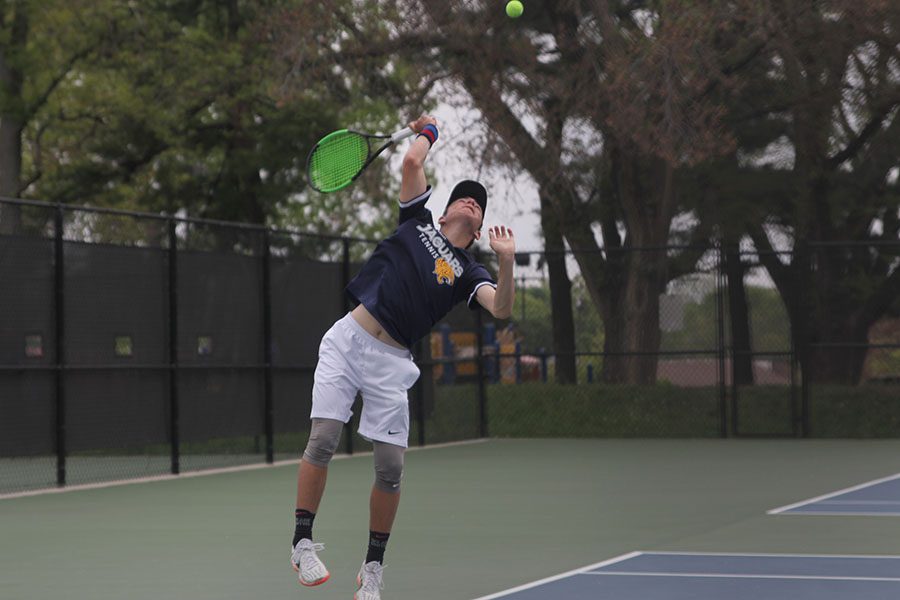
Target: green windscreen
{"points": [[336, 160]]}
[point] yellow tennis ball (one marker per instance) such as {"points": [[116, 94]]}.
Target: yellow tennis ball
{"points": [[514, 9]]}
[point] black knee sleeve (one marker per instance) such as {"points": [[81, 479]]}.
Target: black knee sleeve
{"points": [[324, 437], [388, 467]]}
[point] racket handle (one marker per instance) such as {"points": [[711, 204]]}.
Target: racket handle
{"points": [[402, 134]]}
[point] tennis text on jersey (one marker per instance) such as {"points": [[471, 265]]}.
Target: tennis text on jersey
{"points": [[446, 266]]}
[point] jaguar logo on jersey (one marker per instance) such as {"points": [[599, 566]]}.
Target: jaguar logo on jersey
{"points": [[446, 266], [444, 272]]}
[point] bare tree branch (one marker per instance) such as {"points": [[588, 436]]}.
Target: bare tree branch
{"points": [[869, 130]]}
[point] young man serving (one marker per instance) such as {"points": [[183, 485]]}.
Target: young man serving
{"points": [[412, 280]]}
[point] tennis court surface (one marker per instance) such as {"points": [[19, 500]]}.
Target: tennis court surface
{"points": [[682, 518], [872, 499], [691, 576]]}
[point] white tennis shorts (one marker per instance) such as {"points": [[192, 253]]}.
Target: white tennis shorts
{"points": [[351, 360]]}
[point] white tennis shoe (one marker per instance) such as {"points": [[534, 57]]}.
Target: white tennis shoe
{"points": [[306, 562], [369, 582]]}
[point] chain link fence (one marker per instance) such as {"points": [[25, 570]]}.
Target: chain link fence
{"points": [[135, 345], [658, 373]]}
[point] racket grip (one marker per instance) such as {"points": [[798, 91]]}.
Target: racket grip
{"points": [[402, 134]]}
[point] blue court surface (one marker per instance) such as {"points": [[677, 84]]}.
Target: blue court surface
{"points": [[695, 576], [879, 498]]}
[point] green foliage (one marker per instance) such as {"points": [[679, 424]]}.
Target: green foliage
{"points": [[865, 411], [532, 317], [551, 410], [855, 411], [597, 410], [769, 324], [181, 106]]}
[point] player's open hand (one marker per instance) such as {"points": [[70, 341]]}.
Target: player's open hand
{"points": [[421, 122], [502, 240]]}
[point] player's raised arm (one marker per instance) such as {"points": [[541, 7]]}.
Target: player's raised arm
{"points": [[413, 182], [499, 302]]}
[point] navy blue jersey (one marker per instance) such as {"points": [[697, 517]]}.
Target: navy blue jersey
{"points": [[415, 276]]}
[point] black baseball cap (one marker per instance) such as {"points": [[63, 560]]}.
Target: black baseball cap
{"points": [[469, 189]]}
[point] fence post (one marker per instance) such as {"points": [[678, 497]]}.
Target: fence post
{"points": [[543, 353], [518, 362], [801, 329], [173, 347], [482, 393], [492, 366], [59, 320], [269, 421], [721, 350], [448, 377]]}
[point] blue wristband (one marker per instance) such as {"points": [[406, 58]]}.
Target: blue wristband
{"points": [[430, 133]]}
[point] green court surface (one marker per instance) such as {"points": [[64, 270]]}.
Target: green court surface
{"points": [[474, 519]]}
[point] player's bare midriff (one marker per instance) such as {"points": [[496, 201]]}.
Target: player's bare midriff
{"points": [[373, 327]]}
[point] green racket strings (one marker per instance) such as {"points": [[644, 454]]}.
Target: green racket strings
{"points": [[337, 159]]}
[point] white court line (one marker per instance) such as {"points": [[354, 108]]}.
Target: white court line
{"points": [[205, 472], [782, 509], [869, 502], [741, 576], [772, 554], [527, 586], [845, 513], [630, 555]]}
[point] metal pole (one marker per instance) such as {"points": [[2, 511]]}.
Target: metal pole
{"points": [[59, 320], [268, 415], [173, 348], [720, 342], [518, 362], [793, 315], [523, 294], [496, 374], [482, 393], [796, 427], [806, 374]]}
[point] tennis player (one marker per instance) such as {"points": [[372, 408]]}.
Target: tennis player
{"points": [[413, 278]]}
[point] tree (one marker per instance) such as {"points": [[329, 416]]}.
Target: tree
{"points": [[833, 71], [176, 106], [603, 103], [41, 45], [561, 317]]}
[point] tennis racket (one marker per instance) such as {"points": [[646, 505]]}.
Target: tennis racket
{"points": [[338, 158]]}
